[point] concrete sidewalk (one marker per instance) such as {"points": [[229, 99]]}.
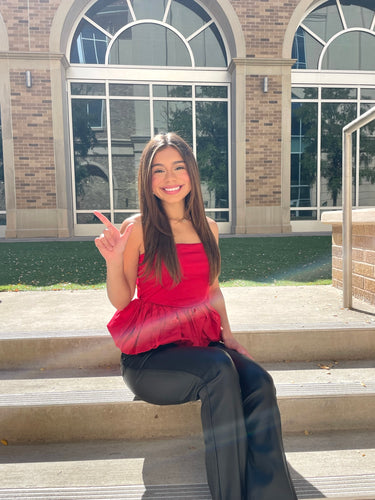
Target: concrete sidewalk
{"points": [[255, 307]]}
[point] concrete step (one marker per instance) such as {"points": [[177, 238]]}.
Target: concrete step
{"points": [[328, 465], [55, 406], [92, 348]]}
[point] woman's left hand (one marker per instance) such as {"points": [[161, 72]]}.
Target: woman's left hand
{"points": [[232, 343]]}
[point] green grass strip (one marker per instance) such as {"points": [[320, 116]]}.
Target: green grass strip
{"points": [[252, 261]]}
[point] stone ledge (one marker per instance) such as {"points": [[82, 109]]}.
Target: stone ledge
{"points": [[361, 216]]}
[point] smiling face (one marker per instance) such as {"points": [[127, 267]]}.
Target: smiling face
{"points": [[170, 178]]}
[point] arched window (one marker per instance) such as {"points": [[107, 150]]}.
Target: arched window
{"points": [[333, 82], [140, 32], [140, 68]]}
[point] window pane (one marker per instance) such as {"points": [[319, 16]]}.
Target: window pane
{"points": [[90, 154], [172, 91], [358, 13], [339, 93], [211, 91], [90, 218], [124, 89], [146, 9], [172, 116], [187, 16], [87, 88], [121, 216], [111, 16], [306, 50], [89, 45], [218, 216], [324, 21], [208, 48], [303, 215], [303, 191], [304, 93], [353, 50], [367, 162], [149, 45], [130, 131], [334, 117], [368, 94], [212, 152]]}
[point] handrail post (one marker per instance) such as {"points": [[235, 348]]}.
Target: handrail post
{"points": [[347, 220], [347, 206]]}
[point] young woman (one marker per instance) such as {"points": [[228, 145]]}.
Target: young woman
{"points": [[175, 337]]}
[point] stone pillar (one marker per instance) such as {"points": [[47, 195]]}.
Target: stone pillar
{"points": [[263, 129]]}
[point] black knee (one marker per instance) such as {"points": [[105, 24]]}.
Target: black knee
{"points": [[220, 365], [258, 381]]}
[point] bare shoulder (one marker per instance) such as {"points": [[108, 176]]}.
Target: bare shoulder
{"points": [[134, 219], [136, 235], [213, 226]]}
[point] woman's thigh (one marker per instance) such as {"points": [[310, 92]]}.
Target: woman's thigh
{"points": [[173, 374]]}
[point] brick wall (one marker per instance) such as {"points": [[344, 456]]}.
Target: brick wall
{"points": [[33, 142], [264, 23], [363, 260], [28, 23], [263, 142]]}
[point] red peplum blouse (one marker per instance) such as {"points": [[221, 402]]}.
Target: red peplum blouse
{"points": [[163, 313]]}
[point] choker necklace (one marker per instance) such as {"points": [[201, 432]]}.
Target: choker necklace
{"points": [[182, 219]]}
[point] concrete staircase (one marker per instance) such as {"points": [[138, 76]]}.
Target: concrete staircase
{"points": [[70, 429]]}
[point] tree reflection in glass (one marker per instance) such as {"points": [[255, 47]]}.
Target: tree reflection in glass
{"points": [[90, 153]]}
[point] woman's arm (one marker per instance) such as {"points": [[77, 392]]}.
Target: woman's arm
{"points": [[120, 249], [218, 303]]}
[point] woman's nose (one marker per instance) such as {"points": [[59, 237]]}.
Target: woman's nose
{"points": [[170, 174]]}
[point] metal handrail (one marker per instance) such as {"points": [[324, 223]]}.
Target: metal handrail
{"points": [[347, 131]]}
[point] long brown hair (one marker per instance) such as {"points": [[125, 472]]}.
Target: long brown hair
{"points": [[157, 232]]}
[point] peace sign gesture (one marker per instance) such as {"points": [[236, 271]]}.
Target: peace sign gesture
{"points": [[111, 243]]}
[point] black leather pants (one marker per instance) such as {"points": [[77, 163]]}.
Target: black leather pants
{"points": [[245, 459]]}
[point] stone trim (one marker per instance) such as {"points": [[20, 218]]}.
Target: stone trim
{"points": [[35, 56], [262, 62]]}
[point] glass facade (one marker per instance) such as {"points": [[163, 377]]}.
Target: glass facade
{"points": [[112, 119], [109, 133], [338, 40], [318, 117]]}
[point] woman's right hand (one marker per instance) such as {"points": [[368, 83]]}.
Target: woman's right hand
{"points": [[111, 243]]}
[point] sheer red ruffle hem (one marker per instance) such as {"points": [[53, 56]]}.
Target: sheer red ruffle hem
{"points": [[164, 314]]}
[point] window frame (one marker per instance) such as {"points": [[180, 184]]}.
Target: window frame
{"points": [[322, 78], [134, 21], [89, 229], [345, 81]]}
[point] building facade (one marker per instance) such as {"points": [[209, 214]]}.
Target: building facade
{"points": [[260, 89]]}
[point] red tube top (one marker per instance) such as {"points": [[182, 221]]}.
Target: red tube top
{"points": [[164, 314]]}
